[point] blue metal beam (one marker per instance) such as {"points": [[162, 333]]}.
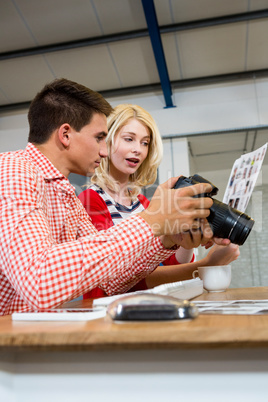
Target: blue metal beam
{"points": [[153, 28]]}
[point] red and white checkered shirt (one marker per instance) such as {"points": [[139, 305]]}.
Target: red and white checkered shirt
{"points": [[50, 252]]}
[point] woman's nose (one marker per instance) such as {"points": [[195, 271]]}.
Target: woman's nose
{"points": [[136, 148]]}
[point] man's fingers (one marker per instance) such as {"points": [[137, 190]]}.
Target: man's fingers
{"points": [[196, 189], [170, 183], [173, 211], [191, 203]]}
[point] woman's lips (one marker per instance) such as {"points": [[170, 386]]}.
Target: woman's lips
{"points": [[132, 162]]}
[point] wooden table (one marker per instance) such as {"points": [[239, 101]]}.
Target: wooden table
{"points": [[210, 331], [166, 358]]}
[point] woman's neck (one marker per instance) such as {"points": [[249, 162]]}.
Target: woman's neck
{"points": [[122, 196]]}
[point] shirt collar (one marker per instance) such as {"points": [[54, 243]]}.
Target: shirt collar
{"points": [[48, 169], [40, 160]]}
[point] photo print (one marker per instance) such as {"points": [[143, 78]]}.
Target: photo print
{"points": [[243, 178]]}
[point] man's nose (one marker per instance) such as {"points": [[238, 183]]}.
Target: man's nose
{"points": [[103, 150]]}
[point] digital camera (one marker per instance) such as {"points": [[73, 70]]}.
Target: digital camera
{"points": [[226, 222]]}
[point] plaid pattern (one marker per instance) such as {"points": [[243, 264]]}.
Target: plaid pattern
{"points": [[50, 252]]}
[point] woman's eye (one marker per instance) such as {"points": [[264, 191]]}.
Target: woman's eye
{"points": [[128, 139]]}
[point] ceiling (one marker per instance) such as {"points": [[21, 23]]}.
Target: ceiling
{"points": [[118, 47], [207, 151]]}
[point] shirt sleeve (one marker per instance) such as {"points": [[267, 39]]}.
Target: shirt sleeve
{"points": [[172, 260], [96, 209], [101, 218], [39, 272]]}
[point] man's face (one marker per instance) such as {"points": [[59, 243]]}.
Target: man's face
{"points": [[89, 146]]}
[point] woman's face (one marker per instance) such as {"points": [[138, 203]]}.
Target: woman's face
{"points": [[130, 149]]}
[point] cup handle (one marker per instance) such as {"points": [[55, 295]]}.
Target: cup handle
{"points": [[195, 274]]}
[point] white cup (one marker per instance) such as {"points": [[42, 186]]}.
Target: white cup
{"points": [[215, 278]]}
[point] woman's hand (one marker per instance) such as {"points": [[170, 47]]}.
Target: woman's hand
{"points": [[199, 235], [222, 255]]}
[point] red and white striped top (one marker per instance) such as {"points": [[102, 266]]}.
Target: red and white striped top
{"points": [[49, 251]]}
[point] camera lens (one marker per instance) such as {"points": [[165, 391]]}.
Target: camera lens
{"points": [[229, 223], [225, 221]]}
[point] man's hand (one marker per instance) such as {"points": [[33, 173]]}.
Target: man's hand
{"points": [[176, 211]]}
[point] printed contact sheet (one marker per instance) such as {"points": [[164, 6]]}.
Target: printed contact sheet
{"points": [[236, 307], [243, 178]]}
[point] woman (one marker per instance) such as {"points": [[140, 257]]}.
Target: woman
{"points": [[134, 154]]}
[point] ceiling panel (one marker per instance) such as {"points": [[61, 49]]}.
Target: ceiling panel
{"points": [[189, 10], [205, 164], [215, 162], [3, 98], [258, 4], [261, 139], [23, 78], [190, 54], [134, 62], [13, 32], [257, 45], [53, 21], [213, 50], [91, 66], [172, 55], [207, 144], [222, 150], [120, 16]]}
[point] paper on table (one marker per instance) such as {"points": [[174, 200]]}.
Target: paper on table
{"points": [[236, 307], [243, 178], [71, 314]]}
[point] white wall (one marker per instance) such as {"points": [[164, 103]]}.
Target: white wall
{"points": [[14, 130], [198, 109], [208, 108]]}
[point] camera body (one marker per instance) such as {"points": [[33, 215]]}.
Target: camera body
{"points": [[226, 222]]}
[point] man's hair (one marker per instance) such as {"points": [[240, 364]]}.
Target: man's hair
{"points": [[63, 101]]}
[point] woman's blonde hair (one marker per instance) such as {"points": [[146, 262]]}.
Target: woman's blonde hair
{"points": [[147, 172]]}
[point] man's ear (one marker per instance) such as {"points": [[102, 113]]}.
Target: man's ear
{"points": [[64, 134]]}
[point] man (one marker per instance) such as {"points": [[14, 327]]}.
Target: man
{"points": [[50, 251]]}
